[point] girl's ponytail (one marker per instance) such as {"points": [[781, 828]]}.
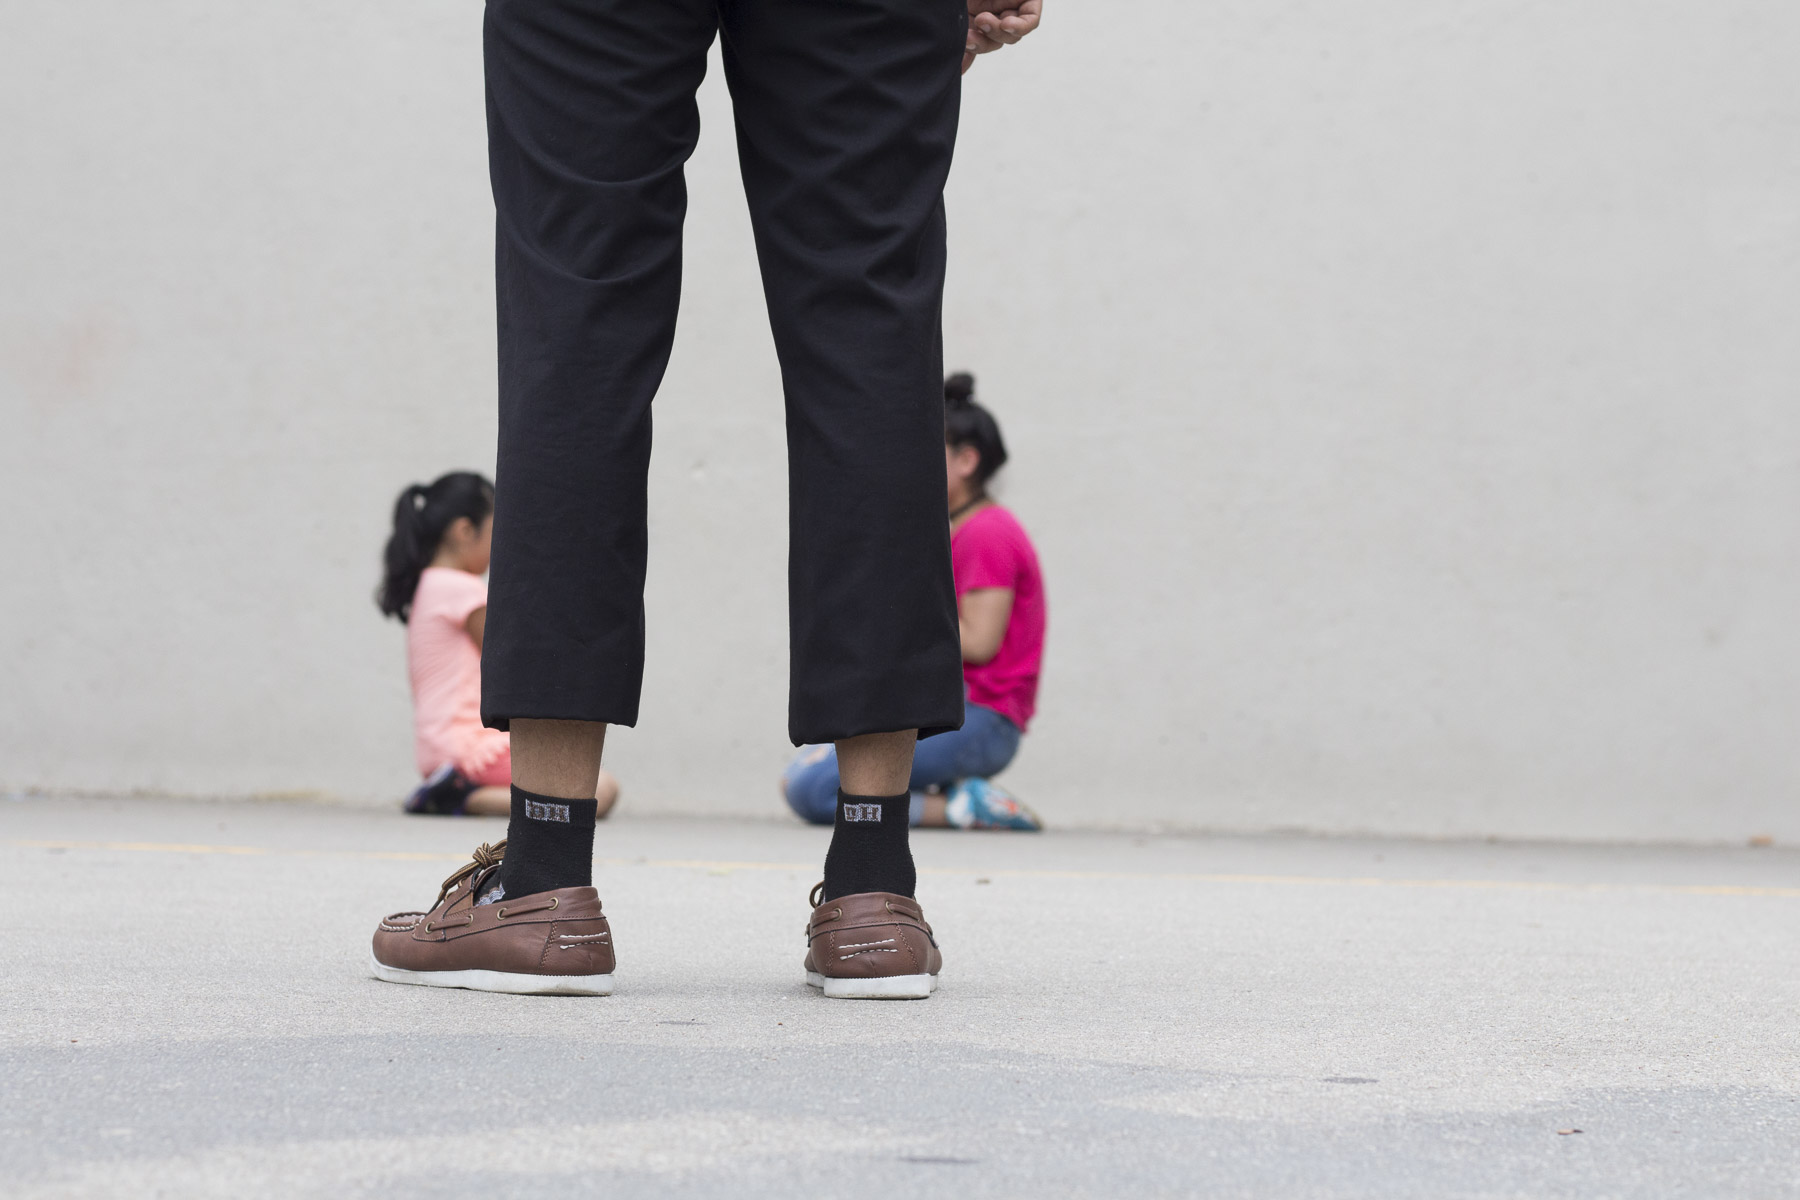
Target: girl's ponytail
{"points": [[421, 515]]}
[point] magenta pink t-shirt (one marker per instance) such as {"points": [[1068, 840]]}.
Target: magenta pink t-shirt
{"points": [[990, 550]]}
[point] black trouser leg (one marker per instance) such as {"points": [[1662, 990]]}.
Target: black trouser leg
{"points": [[846, 113], [590, 117], [846, 117]]}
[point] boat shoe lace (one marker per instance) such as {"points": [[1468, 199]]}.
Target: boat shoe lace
{"points": [[483, 861]]}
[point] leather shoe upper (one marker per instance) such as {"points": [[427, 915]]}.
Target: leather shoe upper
{"points": [[869, 935], [559, 932]]}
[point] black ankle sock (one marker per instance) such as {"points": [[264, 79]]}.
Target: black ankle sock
{"points": [[868, 850], [549, 844]]}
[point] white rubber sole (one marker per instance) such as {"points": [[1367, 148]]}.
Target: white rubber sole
{"points": [[889, 987], [498, 981]]}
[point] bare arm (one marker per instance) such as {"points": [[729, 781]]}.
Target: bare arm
{"points": [[983, 615], [477, 624]]}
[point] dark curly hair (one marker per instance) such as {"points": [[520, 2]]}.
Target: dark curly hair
{"points": [[966, 423]]}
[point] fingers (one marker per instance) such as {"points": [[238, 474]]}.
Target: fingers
{"points": [[981, 43], [1007, 26], [990, 30], [993, 29]]}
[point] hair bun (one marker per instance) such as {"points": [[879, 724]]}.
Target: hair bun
{"points": [[959, 388]]}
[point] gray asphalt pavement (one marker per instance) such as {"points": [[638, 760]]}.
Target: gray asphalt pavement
{"points": [[185, 1011]]}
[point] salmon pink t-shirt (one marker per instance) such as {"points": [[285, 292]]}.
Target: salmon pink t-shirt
{"points": [[990, 550], [445, 666]]}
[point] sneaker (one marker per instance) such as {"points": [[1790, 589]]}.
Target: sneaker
{"points": [[443, 794], [551, 943], [981, 804], [871, 946]]}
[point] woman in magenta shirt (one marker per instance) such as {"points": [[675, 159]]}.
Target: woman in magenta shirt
{"points": [[1000, 604]]}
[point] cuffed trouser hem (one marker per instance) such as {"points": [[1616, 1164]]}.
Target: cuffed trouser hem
{"points": [[530, 673], [857, 713], [929, 727], [627, 718]]}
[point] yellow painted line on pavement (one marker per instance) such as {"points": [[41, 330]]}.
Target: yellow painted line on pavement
{"points": [[152, 847], [205, 848], [726, 865], [1525, 885]]}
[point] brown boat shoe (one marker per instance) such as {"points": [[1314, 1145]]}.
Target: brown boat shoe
{"points": [[871, 946], [549, 943]]}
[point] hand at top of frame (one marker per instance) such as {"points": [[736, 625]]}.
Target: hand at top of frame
{"points": [[997, 23]]}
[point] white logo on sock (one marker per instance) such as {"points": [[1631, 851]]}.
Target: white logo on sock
{"points": [[538, 811], [862, 812]]}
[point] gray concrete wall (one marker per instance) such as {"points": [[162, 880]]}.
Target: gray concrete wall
{"points": [[1403, 399]]}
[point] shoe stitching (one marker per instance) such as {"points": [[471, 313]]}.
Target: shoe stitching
{"points": [[861, 945], [583, 937], [822, 930], [848, 957]]}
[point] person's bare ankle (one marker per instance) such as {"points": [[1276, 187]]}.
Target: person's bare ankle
{"points": [[557, 758], [876, 764]]}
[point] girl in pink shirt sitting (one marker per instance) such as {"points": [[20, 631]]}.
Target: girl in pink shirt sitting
{"points": [[1000, 604], [433, 583]]}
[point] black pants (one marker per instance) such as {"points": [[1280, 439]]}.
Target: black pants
{"points": [[846, 117]]}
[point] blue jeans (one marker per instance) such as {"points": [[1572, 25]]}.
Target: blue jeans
{"points": [[982, 747]]}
